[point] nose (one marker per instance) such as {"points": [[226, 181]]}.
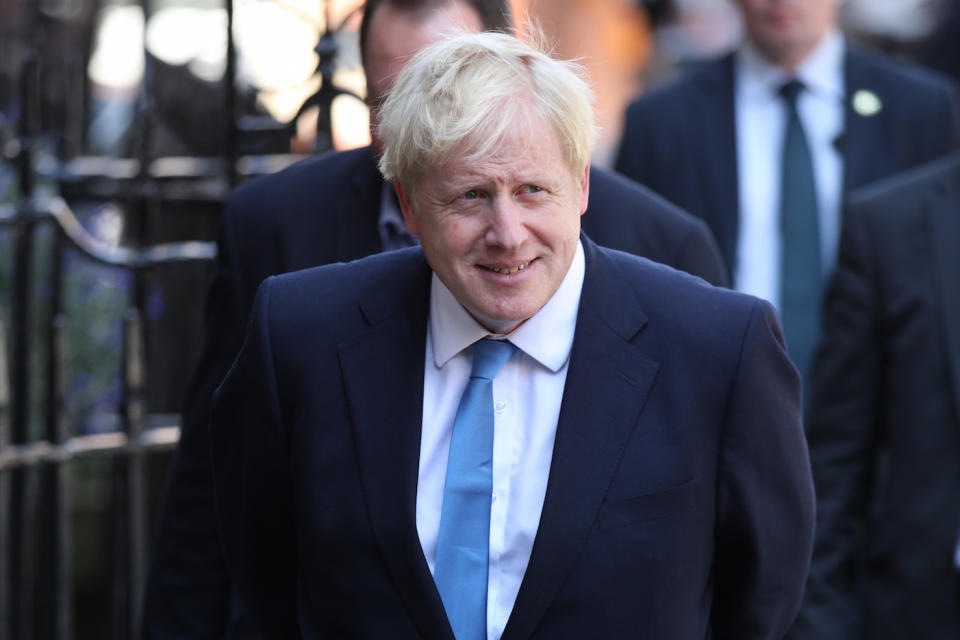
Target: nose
{"points": [[507, 228]]}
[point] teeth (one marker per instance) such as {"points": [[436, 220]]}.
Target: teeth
{"points": [[508, 270]]}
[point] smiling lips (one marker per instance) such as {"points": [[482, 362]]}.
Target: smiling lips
{"points": [[508, 270]]}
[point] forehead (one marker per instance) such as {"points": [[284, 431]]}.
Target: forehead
{"points": [[524, 148], [396, 34]]}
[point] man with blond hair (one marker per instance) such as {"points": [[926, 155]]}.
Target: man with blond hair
{"points": [[330, 208], [337, 207], [508, 432]]}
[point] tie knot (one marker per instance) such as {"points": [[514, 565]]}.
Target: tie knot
{"points": [[489, 356], [790, 90]]}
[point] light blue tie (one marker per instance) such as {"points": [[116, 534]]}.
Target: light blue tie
{"points": [[463, 544]]}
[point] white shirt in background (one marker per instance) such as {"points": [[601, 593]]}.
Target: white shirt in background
{"points": [[760, 115]]}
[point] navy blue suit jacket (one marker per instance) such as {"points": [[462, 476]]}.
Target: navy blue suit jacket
{"points": [[679, 501], [680, 139], [320, 211], [884, 421]]}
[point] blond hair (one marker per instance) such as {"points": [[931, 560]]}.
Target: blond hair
{"points": [[471, 89]]}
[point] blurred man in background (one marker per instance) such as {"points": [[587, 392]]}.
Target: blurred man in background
{"points": [[764, 143], [884, 421], [332, 208]]}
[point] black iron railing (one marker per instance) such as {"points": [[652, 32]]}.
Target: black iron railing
{"points": [[42, 606]]}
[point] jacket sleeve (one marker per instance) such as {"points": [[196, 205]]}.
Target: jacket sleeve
{"points": [[188, 591], [842, 433], [765, 501], [251, 480], [701, 256]]}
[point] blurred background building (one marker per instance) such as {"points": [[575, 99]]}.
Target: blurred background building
{"points": [[123, 125]]}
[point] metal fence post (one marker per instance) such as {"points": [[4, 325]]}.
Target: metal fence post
{"points": [[63, 533], [6, 522], [20, 323], [134, 379]]}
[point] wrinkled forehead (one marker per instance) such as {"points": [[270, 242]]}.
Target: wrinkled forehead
{"points": [[513, 130]]}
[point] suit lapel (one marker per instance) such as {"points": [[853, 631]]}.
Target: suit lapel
{"points": [[866, 143], [720, 186], [862, 140], [359, 212], [383, 377], [946, 237], [607, 384]]}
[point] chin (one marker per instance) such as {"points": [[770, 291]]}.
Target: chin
{"points": [[501, 321], [493, 319], [496, 323]]}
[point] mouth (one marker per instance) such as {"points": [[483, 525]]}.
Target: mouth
{"points": [[507, 269], [780, 16]]}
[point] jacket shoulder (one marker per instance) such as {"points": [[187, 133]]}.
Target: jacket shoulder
{"points": [[895, 203], [374, 286], [617, 192], [897, 70], [870, 67], [288, 220], [677, 296], [620, 205], [686, 318], [302, 181], [714, 75], [905, 186]]}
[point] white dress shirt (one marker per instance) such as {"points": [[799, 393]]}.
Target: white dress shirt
{"points": [[527, 393], [760, 127]]}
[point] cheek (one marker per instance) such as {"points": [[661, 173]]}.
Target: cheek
{"points": [[566, 227], [461, 234], [450, 241]]}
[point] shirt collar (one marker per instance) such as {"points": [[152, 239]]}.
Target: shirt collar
{"points": [[821, 71], [547, 337], [390, 225]]}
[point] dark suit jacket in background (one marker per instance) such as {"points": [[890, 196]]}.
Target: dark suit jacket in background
{"points": [[679, 502], [320, 211], [680, 141], [884, 422]]}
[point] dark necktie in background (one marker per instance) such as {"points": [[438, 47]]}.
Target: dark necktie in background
{"points": [[799, 239], [463, 543]]}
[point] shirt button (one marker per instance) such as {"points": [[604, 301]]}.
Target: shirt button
{"points": [[493, 496], [499, 406]]}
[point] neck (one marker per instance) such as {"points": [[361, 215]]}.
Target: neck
{"points": [[789, 59]]}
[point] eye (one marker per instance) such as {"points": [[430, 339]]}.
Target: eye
{"points": [[532, 188], [473, 194]]}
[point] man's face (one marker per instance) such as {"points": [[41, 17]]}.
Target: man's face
{"points": [[501, 233], [785, 31], [394, 36]]}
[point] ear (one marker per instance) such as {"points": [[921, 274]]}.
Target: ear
{"points": [[585, 189], [406, 208]]}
